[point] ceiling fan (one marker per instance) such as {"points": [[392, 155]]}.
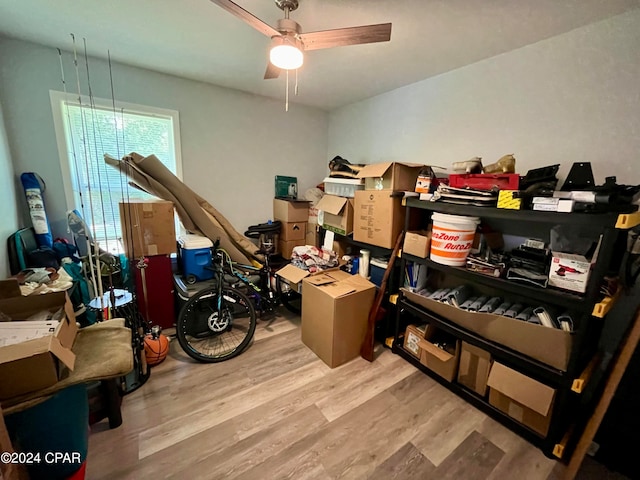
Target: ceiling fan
{"points": [[288, 42]]}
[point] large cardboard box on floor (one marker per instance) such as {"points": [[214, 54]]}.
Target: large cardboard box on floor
{"points": [[148, 227], [521, 397], [378, 218], [290, 210], [336, 214], [40, 362], [335, 310], [390, 176], [473, 371]]}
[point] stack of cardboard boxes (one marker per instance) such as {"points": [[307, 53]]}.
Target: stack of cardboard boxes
{"points": [[378, 211], [294, 215]]}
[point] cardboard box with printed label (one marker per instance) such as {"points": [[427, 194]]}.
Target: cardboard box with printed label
{"points": [[290, 210], [522, 398], [440, 360], [293, 231], [569, 272], [473, 371], [148, 227], [390, 176], [335, 310], [336, 214], [40, 362], [378, 218], [412, 336], [417, 243]]}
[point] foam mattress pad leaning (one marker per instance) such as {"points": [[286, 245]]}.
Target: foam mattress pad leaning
{"points": [[102, 351]]}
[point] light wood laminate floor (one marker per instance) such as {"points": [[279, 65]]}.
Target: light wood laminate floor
{"points": [[277, 411]]}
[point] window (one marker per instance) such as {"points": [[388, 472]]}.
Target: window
{"points": [[85, 132]]}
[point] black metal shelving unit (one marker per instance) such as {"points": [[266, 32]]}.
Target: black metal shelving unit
{"points": [[583, 345]]}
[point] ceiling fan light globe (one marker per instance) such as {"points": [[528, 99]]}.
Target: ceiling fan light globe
{"points": [[286, 57]]}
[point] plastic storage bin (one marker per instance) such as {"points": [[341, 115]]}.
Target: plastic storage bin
{"points": [[343, 187], [195, 258], [59, 425]]}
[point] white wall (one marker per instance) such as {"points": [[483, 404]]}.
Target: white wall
{"points": [[233, 143], [574, 97], [8, 209]]}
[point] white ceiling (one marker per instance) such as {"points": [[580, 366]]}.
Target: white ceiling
{"points": [[199, 40]]}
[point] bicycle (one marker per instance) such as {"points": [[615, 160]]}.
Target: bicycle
{"points": [[218, 323]]}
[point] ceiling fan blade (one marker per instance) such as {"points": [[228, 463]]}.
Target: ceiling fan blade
{"points": [[272, 71], [247, 17], [346, 36]]}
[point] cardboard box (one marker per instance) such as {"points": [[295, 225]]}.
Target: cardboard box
{"points": [[294, 275], [312, 236], [473, 371], [417, 243], [378, 218], [38, 363], [148, 227], [335, 310], [290, 210], [336, 214], [293, 231], [437, 359], [569, 272], [286, 247], [551, 346], [390, 176], [521, 397], [412, 336]]}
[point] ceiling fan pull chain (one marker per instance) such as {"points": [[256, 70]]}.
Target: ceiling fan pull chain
{"points": [[286, 95], [295, 90]]}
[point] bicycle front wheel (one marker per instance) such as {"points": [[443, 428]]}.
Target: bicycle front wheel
{"points": [[213, 328]]}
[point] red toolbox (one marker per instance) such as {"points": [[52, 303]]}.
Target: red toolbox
{"points": [[485, 181]]}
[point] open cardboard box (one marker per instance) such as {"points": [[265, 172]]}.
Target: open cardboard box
{"points": [[337, 214], [435, 358], [38, 363], [390, 176], [551, 346], [521, 397]]}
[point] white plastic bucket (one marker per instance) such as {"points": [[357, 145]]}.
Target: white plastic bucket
{"points": [[452, 238]]}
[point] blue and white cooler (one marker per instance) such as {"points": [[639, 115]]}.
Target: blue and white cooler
{"points": [[195, 258]]}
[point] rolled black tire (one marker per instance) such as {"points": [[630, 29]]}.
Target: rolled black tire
{"points": [[211, 335], [291, 299]]}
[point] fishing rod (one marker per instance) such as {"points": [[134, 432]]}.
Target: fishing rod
{"points": [[93, 266], [112, 302]]}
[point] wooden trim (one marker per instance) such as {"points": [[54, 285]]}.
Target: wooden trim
{"points": [[620, 364]]}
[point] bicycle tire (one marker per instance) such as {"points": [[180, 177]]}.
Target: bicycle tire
{"points": [[291, 299], [207, 338]]}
